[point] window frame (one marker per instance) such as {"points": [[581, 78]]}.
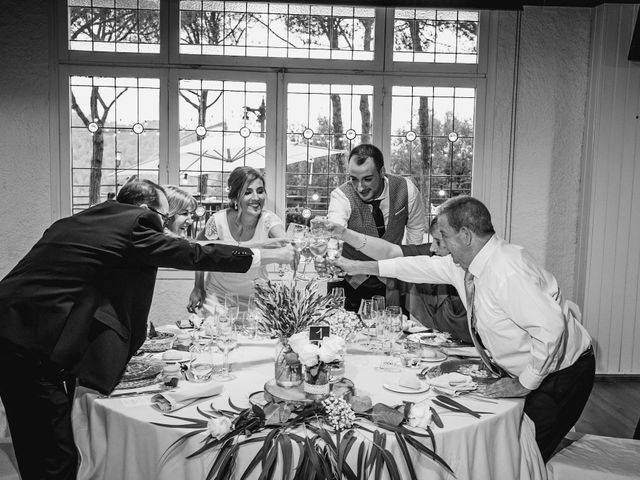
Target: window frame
{"points": [[169, 66]]}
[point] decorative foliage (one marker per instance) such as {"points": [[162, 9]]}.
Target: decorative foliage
{"points": [[323, 433], [343, 323], [287, 310], [316, 358]]}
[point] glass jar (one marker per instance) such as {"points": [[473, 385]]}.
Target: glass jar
{"points": [[288, 369], [182, 342]]}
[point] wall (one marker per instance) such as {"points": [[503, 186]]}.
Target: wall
{"points": [[609, 266], [25, 161], [552, 88]]}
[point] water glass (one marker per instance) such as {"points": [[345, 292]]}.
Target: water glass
{"points": [[201, 363], [367, 315]]}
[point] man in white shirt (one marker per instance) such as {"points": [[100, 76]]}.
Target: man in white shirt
{"points": [[377, 204], [524, 323]]}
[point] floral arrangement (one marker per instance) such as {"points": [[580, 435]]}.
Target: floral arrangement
{"points": [[316, 358], [287, 310], [333, 428], [343, 323]]}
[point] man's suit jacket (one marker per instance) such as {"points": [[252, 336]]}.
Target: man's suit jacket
{"points": [[78, 301]]}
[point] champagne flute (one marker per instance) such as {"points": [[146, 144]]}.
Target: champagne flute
{"points": [[334, 251], [296, 233], [338, 294], [318, 247], [227, 340], [231, 305]]}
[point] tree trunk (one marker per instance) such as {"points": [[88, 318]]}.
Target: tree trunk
{"points": [[365, 111], [95, 177]]}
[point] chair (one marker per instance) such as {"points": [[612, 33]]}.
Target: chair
{"points": [[593, 457], [8, 463]]}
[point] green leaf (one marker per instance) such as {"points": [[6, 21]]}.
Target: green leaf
{"points": [[360, 404], [430, 453], [436, 418], [362, 458], [407, 457], [384, 414], [287, 455]]}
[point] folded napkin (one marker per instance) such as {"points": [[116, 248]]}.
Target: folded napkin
{"points": [[453, 383], [167, 402]]}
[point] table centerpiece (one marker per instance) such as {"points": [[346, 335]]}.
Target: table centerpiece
{"points": [[285, 311]]}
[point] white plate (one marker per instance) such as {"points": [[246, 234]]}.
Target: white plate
{"points": [[470, 352], [438, 358], [399, 389]]}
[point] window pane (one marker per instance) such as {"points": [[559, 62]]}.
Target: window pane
{"points": [[432, 135], [114, 134], [435, 36], [325, 121], [222, 126], [123, 26], [276, 30]]}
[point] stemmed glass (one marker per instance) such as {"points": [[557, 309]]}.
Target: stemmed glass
{"points": [[297, 235], [338, 295], [318, 247], [368, 316], [227, 340], [334, 251], [231, 305]]}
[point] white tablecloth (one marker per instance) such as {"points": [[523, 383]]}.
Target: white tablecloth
{"points": [[117, 441]]}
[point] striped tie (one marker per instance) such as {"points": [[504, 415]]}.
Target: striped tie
{"points": [[477, 341]]}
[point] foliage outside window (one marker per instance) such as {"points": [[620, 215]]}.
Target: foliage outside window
{"points": [[426, 128]]}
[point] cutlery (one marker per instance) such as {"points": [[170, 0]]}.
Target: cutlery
{"points": [[134, 394]]}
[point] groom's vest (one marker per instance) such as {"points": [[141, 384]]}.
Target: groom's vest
{"points": [[362, 221]]}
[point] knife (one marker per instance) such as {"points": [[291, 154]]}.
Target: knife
{"points": [[133, 394]]}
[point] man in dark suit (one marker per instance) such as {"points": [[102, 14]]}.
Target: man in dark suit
{"points": [[75, 308]]}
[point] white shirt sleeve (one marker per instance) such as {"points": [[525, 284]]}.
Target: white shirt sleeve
{"points": [[339, 208], [541, 317], [420, 269], [256, 259], [417, 220]]}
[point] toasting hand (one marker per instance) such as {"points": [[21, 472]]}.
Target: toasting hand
{"points": [[286, 255]]}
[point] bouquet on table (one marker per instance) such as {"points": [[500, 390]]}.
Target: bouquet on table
{"points": [[318, 360], [286, 311]]}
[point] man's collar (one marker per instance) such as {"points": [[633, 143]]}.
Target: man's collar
{"points": [[385, 190], [482, 257]]}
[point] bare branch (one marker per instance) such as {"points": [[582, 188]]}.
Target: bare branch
{"points": [[214, 101], [193, 104], [76, 108]]}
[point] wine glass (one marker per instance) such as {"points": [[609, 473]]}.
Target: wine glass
{"points": [[368, 317], [334, 251], [231, 305], [318, 247], [296, 233], [227, 340], [338, 295]]}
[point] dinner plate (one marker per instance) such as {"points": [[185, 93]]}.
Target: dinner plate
{"points": [[401, 389], [467, 366], [469, 352], [433, 339], [438, 358]]}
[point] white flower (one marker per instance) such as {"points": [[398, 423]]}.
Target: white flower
{"points": [[331, 349], [219, 427], [308, 354], [297, 340], [420, 414]]}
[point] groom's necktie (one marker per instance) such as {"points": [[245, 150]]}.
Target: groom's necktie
{"points": [[477, 341], [378, 217]]}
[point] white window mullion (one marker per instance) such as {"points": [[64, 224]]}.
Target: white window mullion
{"points": [[279, 169]]}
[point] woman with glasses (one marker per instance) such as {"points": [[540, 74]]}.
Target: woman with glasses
{"points": [[245, 222]]}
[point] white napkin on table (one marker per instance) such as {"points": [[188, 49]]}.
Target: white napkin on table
{"points": [[168, 402], [453, 383]]}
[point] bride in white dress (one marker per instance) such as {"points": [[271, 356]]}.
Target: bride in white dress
{"points": [[245, 222]]}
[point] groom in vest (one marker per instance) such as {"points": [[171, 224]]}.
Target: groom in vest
{"points": [[375, 203]]}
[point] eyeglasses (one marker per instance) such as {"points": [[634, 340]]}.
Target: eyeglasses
{"points": [[165, 217]]}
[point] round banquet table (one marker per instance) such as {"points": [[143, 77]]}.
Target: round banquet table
{"points": [[116, 439]]}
